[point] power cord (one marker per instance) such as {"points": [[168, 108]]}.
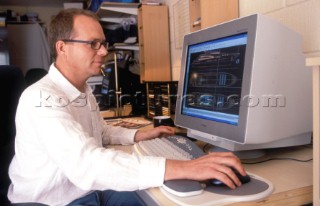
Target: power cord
{"points": [[277, 158], [205, 148]]}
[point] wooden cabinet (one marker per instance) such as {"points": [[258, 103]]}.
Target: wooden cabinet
{"points": [[153, 30], [206, 13], [153, 36]]}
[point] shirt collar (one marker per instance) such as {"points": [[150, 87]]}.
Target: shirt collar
{"points": [[60, 81]]}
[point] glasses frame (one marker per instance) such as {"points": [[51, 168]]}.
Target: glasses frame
{"points": [[92, 43]]}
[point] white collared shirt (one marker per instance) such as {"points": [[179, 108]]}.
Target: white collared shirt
{"points": [[59, 153]]}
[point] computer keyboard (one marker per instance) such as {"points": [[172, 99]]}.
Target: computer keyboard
{"points": [[189, 192], [173, 147]]}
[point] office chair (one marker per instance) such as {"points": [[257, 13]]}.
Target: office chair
{"points": [[34, 75], [12, 84]]}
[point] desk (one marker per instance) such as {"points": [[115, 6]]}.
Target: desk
{"points": [[292, 180]]}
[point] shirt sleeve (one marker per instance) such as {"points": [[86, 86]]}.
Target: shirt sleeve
{"points": [[116, 135]]}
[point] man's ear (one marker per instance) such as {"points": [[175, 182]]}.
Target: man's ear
{"points": [[60, 47]]}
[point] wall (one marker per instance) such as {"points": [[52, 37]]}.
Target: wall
{"points": [[175, 52], [300, 15]]}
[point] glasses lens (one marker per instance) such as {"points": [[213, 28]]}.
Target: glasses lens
{"points": [[97, 44]]}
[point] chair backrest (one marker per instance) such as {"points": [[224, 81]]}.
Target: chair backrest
{"points": [[34, 75], [12, 84]]}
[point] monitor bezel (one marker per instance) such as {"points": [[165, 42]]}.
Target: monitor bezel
{"points": [[235, 133]]}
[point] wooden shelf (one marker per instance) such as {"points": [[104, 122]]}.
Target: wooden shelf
{"points": [[161, 98], [123, 46], [153, 46]]}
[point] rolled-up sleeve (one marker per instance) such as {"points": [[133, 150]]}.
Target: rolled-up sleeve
{"points": [[117, 135]]}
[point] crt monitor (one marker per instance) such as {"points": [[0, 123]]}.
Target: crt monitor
{"points": [[244, 86]]}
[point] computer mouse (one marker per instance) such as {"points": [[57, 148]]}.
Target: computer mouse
{"points": [[243, 179]]}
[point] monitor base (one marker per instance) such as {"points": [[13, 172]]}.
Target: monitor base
{"points": [[243, 155]]}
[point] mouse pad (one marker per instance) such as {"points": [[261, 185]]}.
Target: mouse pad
{"points": [[253, 187]]}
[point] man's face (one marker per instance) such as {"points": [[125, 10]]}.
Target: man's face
{"points": [[81, 58]]}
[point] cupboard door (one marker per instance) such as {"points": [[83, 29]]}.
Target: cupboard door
{"points": [[154, 43], [206, 13]]}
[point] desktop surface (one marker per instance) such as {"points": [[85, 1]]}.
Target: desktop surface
{"points": [[292, 180]]}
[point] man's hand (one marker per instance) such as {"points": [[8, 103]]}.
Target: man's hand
{"points": [[214, 165], [161, 131]]}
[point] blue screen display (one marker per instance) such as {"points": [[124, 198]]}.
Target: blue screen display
{"points": [[213, 79]]}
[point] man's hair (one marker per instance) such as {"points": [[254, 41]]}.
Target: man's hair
{"points": [[61, 26]]}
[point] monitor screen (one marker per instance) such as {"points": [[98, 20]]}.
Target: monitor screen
{"points": [[213, 79], [106, 81], [244, 85]]}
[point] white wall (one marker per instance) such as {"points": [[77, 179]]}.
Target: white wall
{"points": [[300, 15], [175, 53]]}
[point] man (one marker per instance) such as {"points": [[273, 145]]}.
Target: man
{"points": [[60, 158]]}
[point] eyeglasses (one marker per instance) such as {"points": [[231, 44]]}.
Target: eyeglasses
{"points": [[95, 44]]}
